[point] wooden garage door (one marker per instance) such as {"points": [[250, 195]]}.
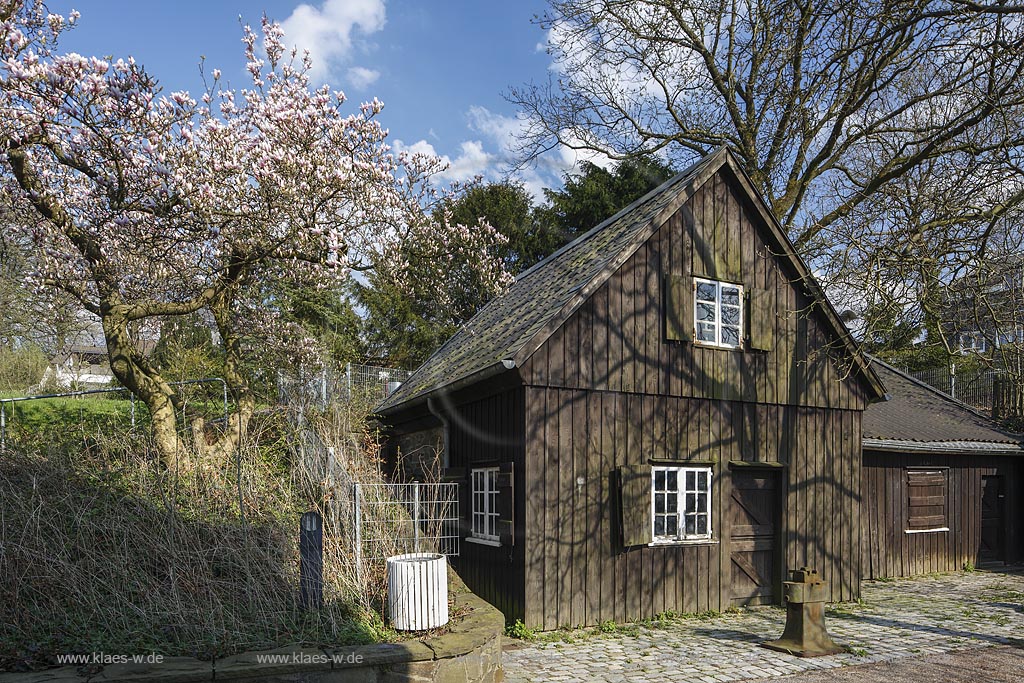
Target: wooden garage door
{"points": [[991, 549], [753, 518]]}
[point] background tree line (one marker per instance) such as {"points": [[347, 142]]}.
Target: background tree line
{"points": [[887, 138]]}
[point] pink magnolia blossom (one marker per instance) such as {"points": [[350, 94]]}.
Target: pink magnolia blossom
{"points": [[182, 197], [144, 206]]}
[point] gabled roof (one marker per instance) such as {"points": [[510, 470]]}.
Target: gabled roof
{"points": [[511, 327], [920, 418]]}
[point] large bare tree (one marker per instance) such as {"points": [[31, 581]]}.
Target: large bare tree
{"points": [[830, 104]]}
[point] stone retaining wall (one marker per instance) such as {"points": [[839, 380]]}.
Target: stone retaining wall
{"points": [[470, 652]]}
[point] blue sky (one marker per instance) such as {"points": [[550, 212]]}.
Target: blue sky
{"points": [[439, 66]]}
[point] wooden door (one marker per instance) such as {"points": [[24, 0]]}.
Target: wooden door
{"points": [[753, 519], [991, 548]]}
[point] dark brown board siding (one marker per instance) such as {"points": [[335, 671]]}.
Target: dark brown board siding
{"points": [[577, 572], [889, 552], [617, 339], [490, 431]]}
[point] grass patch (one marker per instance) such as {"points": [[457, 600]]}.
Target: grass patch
{"points": [[569, 634]]}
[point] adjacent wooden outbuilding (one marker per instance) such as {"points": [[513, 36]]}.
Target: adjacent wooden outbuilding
{"points": [[664, 415], [942, 484]]}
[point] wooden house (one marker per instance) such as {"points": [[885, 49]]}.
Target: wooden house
{"points": [[664, 415], [942, 484]]}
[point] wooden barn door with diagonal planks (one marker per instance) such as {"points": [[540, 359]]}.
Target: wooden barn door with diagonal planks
{"points": [[753, 518]]}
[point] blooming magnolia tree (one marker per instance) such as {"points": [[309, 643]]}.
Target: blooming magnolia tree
{"points": [[145, 206]]}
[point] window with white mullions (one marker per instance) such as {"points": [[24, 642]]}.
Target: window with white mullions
{"points": [[681, 498], [485, 503], [718, 313]]}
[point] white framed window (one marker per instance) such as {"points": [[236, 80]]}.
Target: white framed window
{"points": [[681, 503], [718, 313], [485, 503], [972, 342]]}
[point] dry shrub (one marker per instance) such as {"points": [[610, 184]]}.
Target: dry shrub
{"points": [[102, 550], [340, 448]]}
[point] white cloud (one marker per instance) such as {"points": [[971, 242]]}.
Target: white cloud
{"points": [[472, 160], [329, 32], [493, 155], [501, 129], [360, 77], [420, 147], [546, 171]]}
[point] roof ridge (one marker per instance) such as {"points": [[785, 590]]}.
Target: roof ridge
{"points": [[622, 212], [541, 300]]}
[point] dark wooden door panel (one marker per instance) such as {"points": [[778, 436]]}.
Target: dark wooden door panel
{"points": [[991, 548], [753, 517], [752, 576]]}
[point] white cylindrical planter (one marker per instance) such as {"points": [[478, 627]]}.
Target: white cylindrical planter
{"points": [[417, 591]]}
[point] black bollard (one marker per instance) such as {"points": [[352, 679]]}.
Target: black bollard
{"points": [[311, 561]]}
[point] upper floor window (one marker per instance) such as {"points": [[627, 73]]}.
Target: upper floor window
{"points": [[718, 313]]}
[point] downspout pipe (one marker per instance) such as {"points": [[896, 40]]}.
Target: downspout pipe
{"points": [[445, 430]]}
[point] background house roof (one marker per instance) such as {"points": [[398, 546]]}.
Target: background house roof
{"points": [[511, 327], [920, 418]]}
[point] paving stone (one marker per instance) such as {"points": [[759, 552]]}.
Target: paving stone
{"points": [[896, 620]]}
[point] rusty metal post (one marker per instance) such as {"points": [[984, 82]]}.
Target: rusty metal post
{"points": [[805, 634]]}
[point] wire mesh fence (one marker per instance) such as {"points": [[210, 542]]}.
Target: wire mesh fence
{"points": [[396, 519], [975, 387], [365, 385], [110, 410]]}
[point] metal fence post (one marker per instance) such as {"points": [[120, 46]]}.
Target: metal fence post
{"points": [[3, 427], [323, 389], [416, 517], [132, 398], [357, 530]]}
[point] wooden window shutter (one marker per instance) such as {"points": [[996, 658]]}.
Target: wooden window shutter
{"points": [[635, 504], [679, 307], [506, 503], [761, 319], [926, 499]]}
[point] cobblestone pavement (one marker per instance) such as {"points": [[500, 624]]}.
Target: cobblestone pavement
{"points": [[896, 619]]}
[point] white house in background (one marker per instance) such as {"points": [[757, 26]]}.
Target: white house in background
{"points": [[83, 362]]}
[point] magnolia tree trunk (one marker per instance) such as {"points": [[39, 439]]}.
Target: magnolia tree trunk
{"points": [[217, 445], [134, 371], [212, 445]]}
